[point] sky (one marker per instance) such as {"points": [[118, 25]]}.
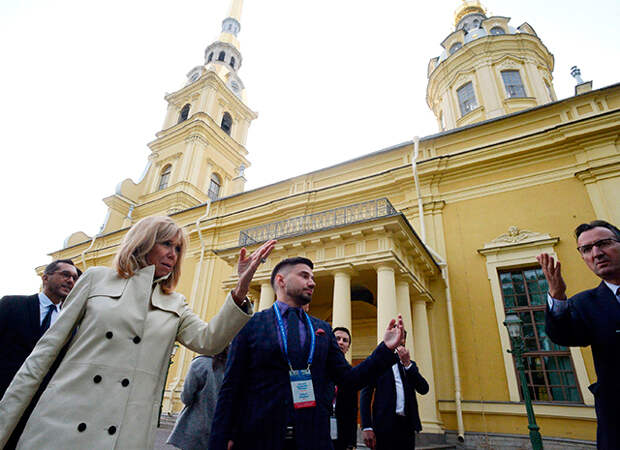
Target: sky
{"points": [[82, 87]]}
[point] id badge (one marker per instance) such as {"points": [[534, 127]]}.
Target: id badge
{"points": [[333, 428], [301, 386]]}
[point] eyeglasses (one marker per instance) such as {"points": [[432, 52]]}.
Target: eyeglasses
{"points": [[66, 275], [601, 244]]}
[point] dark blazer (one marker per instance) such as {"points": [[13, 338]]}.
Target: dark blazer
{"points": [[20, 329], [384, 405], [346, 417], [255, 402], [593, 318]]}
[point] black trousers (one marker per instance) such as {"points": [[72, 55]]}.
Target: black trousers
{"points": [[400, 437]]}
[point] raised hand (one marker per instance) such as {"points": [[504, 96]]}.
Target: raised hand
{"points": [[394, 333], [369, 439], [553, 274], [403, 354], [246, 268]]}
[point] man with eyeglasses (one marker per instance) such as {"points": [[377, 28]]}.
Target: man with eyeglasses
{"points": [[24, 319], [592, 318]]}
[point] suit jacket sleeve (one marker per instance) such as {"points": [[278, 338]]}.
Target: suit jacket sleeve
{"points": [[365, 406], [568, 328], [27, 380], [213, 337], [227, 411], [416, 380]]}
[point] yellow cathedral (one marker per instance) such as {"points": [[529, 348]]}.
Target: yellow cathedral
{"points": [[443, 229]]}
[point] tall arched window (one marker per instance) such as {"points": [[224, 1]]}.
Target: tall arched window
{"points": [[165, 176], [210, 58], [221, 56], [467, 98], [184, 113], [513, 83], [214, 186], [232, 62], [226, 124]]}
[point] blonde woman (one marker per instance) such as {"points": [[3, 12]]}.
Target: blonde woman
{"points": [[106, 391]]}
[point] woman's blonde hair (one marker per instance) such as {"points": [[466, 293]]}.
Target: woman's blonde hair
{"points": [[141, 239]]}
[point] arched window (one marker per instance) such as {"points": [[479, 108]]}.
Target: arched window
{"points": [[497, 31], [165, 176], [232, 62], [210, 58], [226, 123], [455, 47], [513, 83], [214, 186], [184, 113], [221, 56], [467, 98]]}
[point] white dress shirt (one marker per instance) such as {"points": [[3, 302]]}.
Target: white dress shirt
{"points": [[557, 307], [44, 304]]}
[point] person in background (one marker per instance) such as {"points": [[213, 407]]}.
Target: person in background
{"points": [[199, 395], [395, 418], [106, 390], [592, 317], [344, 405], [24, 318]]}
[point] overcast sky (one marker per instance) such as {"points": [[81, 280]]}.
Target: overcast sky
{"points": [[82, 86]]}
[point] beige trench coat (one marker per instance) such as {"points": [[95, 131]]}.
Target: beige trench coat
{"points": [[107, 390]]}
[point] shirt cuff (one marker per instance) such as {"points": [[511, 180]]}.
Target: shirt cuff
{"points": [[556, 307], [409, 366], [367, 429]]}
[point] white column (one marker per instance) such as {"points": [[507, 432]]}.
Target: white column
{"points": [[404, 309], [386, 299], [424, 360], [267, 296], [341, 307]]}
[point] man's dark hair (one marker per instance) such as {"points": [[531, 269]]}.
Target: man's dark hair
{"points": [[289, 262], [594, 224], [53, 266], [342, 329]]}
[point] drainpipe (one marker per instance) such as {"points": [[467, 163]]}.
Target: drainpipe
{"points": [[444, 273], [177, 381], [414, 167]]}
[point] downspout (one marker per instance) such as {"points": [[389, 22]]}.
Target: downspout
{"points": [[177, 381], [444, 273]]}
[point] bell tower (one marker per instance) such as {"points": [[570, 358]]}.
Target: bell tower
{"points": [[487, 69], [200, 152]]}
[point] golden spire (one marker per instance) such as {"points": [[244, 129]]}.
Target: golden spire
{"points": [[235, 9], [468, 7]]}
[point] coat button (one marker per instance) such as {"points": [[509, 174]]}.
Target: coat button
{"points": [[109, 335], [97, 378], [81, 427], [136, 340], [112, 430], [125, 382]]}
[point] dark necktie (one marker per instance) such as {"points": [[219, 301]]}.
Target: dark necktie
{"points": [[292, 340], [47, 320]]}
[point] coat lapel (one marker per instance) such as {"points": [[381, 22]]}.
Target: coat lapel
{"points": [[33, 314]]}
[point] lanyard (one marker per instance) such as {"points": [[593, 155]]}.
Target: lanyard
{"points": [[283, 335]]}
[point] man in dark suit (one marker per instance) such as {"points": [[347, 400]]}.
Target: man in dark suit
{"points": [[275, 394], [24, 319], [592, 318], [394, 419], [344, 405]]}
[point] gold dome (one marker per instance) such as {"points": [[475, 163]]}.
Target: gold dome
{"points": [[468, 7]]}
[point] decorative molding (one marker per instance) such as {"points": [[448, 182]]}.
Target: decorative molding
{"points": [[516, 235]]}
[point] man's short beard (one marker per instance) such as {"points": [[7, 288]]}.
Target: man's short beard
{"points": [[300, 298]]}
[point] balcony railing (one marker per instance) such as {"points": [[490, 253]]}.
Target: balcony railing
{"points": [[296, 226]]}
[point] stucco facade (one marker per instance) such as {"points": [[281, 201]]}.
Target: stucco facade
{"points": [[495, 189]]}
